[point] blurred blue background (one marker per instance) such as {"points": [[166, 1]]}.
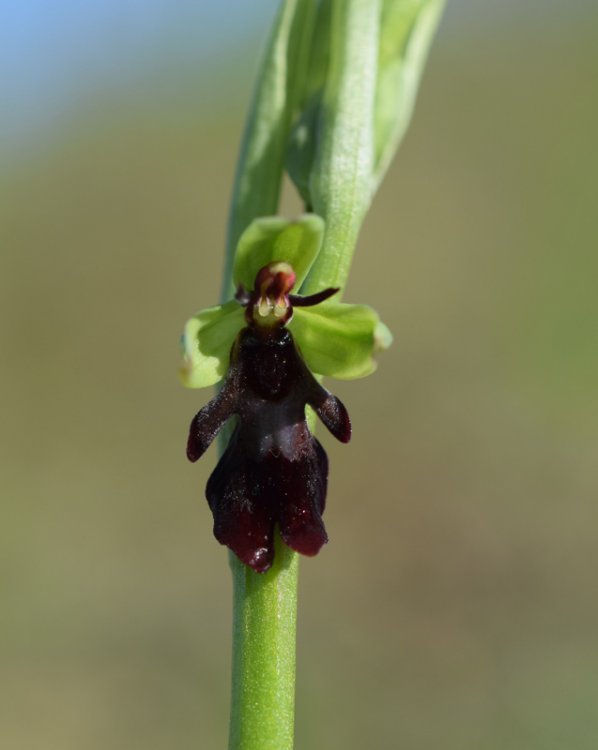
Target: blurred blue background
{"points": [[456, 605]]}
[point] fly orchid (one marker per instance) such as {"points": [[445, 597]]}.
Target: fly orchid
{"points": [[267, 343]]}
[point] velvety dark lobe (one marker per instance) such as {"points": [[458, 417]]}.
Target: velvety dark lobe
{"points": [[274, 471]]}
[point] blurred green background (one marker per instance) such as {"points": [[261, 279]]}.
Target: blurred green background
{"points": [[456, 605]]}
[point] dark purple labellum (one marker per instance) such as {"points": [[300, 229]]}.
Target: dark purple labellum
{"points": [[274, 472]]}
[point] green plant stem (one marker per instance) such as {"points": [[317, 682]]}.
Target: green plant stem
{"points": [[264, 632], [265, 605], [340, 170]]}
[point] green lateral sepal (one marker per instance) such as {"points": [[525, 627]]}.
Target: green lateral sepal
{"points": [[338, 339], [207, 341]]}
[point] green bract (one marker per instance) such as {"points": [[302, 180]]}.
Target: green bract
{"points": [[335, 338]]}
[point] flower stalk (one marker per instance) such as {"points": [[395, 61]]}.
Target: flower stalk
{"points": [[264, 627]]}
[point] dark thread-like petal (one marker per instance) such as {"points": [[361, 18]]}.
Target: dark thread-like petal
{"points": [[298, 300]]}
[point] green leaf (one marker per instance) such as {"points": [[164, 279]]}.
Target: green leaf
{"points": [[304, 135], [318, 55], [338, 339], [406, 31], [366, 61], [272, 239], [207, 341], [341, 174], [302, 148]]}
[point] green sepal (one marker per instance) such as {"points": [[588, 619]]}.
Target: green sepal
{"points": [[338, 339], [207, 341], [271, 239]]}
